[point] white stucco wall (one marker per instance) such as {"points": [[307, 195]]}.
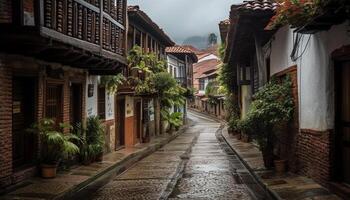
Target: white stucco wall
{"points": [[315, 72], [91, 102], [110, 106], [175, 63]]}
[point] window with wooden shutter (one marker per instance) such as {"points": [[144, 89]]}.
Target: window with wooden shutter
{"points": [[53, 103], [101, 107]]}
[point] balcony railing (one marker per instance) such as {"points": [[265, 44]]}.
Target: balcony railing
{"points": [[101, 24], [89, 34]]}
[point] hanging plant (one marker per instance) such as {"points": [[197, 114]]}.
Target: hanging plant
{"points": [[293, 12], [298, 13]]}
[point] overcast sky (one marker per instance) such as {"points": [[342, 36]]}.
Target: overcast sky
{"points": [[184, 18]]}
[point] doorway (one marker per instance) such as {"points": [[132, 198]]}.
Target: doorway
{"points": [[343, 122], [138, 120], [24, 144], [120, 139], [75, 103]]}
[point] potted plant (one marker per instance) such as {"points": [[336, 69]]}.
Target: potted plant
{"points": [[54, 146], [280, 166], [245, 137], [272, 106]]}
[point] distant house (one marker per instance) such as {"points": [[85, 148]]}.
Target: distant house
{"points": [[204, 75], [141, 116], [180, 65]]}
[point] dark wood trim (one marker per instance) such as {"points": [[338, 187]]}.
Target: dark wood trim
{"points": [[107, 16], [286, 71], [88, 5], [17, 12], [336, 175], [54, 81], [341, 54]]}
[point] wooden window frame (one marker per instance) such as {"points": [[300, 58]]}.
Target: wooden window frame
{"points": [[57, 83]]}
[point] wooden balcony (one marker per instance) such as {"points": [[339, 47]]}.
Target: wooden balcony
{"points": [[86, 34]]}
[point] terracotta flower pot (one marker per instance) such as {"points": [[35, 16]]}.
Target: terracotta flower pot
{"points": [[245, 138], [280, 166], [268, 158], [239, 136], [48, 171]]}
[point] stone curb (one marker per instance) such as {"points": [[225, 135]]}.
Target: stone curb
{"points": [[119, 167], [272, 193]]}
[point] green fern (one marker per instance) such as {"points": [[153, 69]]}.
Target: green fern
{"points": [[55, 145]]}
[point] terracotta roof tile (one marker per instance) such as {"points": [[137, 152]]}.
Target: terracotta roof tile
{"points": [[205, 67], [203, 55], [178, 49], [182, 50], [255, 5], [135, 10]]}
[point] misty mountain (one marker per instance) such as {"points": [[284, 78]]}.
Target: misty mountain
{"points": [[200, 42]]}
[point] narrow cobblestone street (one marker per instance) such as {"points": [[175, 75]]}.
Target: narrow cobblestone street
{"points": [[196, 165]]}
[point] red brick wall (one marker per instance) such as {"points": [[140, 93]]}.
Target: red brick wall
{"points": [[288, 140], [308, 152], [28, 6], [5, 11], [5, 121], [314, 154], [13, 65]]}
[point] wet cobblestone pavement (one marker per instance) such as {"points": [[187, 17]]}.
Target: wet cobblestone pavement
{"points": [[193, 166]]}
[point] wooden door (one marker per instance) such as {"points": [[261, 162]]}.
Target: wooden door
{"points": [[343, 122], [75, 104], [120, 139], [23, 115], [138, 120]]}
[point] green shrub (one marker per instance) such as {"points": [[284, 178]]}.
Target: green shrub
{"points": [[272, 106], [92, 140]]}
